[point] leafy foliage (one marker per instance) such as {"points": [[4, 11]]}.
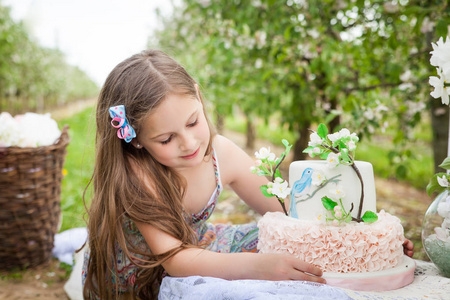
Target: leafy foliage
{"points": [[354, 64]]}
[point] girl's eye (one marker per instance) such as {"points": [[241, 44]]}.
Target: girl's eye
{"points": [[167, 141], [193, 123]]}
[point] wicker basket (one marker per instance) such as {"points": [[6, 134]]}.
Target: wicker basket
{"points": [[30, 187]]}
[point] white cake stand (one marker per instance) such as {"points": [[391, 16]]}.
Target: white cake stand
{"points": [[385, 280]]}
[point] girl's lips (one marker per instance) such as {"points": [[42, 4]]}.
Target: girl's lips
{"points": [[190, 156]]}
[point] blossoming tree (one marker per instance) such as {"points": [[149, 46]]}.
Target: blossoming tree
{"points": [[345, 63]]}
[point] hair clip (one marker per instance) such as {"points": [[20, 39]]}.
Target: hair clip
{"points": [[125, 131]]}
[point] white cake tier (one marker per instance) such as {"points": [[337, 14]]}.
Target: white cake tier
{"points": [[349, 248], [306, 179]]}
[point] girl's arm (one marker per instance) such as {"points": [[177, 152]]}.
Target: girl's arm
{"points": [[196, 261], [235, 166]]}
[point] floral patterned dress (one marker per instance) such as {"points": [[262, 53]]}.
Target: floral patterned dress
{"points": [[221, 238]]}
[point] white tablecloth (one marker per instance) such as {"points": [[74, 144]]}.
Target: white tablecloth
{"points": [[427, 284]]}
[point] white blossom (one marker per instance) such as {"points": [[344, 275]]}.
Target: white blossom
{"points": [[342, 134], [391, 7], [351, 145], [440, 56], [427, 25], [315, 140], [440, 90], [204, 3], [281, 190], [368, 114], [258, 63], [313, 33], [334, 137], [333, 159], [406, 76], [316, 150], [260, 38], [263, 153], [405, 86], [443, 181]]}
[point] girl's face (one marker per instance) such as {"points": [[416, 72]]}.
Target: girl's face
{"points": [[176, 133]]}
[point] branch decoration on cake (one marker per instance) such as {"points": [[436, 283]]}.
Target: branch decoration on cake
{"points": [[338, 149], [267, 164], [440, 58]]}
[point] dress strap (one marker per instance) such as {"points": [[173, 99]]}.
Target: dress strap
{"points": [[217, 170], [209, 208]]}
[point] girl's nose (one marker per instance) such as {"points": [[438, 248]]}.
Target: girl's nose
{"points": [[187, 142]]}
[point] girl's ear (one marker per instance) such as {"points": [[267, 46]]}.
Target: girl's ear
{"points": [[136, 144]]}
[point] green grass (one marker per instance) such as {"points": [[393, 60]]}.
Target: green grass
{"points": [[270, 132], [78, 167]]}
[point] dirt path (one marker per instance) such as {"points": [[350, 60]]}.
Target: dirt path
{"points": [[399, 199]]}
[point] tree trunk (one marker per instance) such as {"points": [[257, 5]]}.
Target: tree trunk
{"points": [[440, 124], [251, 134], [302, 142], [220, 123]]}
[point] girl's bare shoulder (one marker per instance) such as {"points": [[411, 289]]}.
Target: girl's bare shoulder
{"points": [[224, 147], [232, 159]]}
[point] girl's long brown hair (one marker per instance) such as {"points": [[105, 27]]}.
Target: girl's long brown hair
{"points": [[122, 175]]}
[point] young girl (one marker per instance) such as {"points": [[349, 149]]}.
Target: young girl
{"points": [[159, 170]]}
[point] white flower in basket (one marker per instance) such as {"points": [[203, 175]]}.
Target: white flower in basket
{"points": [[28, 130]]}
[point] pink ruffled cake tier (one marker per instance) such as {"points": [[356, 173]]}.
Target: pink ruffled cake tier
{"points": [[358, 249]]}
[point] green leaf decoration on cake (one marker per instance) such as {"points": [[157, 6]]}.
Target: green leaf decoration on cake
{"points": [[263, 189], [328, 203], [322, 131], [369, 217]]}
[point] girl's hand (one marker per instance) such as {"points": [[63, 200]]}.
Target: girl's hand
{"points": [[286, 267], [408, 248]]}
